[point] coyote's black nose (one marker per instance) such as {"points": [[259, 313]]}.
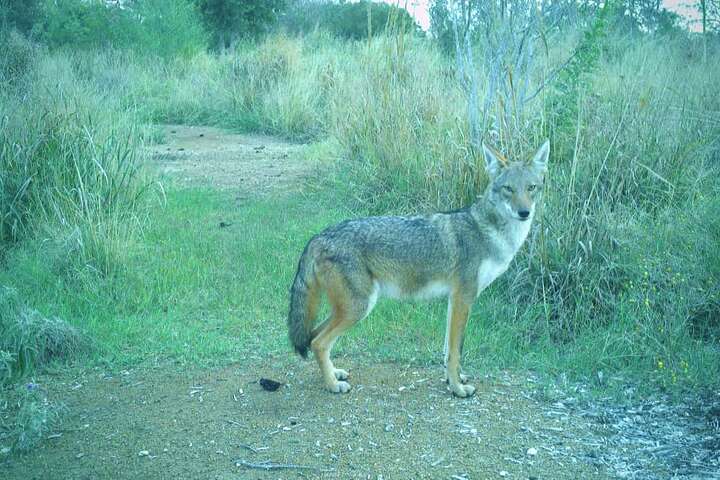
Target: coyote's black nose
{"points": [[524, 214]]}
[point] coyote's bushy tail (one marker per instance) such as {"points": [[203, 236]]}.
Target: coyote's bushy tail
{"points": [[303, 304]]}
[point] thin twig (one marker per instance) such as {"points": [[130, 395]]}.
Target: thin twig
{"points": [[268, 465], [550, 78], [251, 448]]}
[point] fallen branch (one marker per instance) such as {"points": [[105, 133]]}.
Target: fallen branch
{"points": [[268, 465]]}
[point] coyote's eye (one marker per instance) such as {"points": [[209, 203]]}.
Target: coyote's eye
{"points": [[531, 187], [508, 188]]}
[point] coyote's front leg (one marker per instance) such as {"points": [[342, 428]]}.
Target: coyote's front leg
{"points": [[459, 310]]}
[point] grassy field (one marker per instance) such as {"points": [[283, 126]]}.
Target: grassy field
{"points": [[621, 275]]}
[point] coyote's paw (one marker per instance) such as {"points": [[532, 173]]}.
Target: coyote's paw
{"points": [[462, 391], [341, 374], [463, 378], [339, 387]]}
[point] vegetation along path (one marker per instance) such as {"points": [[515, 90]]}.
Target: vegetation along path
{"points": [[179, 418]]}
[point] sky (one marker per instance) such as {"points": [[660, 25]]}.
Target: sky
{"points": [[419, 10]]}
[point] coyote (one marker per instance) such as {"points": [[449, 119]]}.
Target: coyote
{"points": [[455, 254]]}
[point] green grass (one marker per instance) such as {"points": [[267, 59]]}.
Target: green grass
{"points": [[608, 283], [192, 291], [197, 293]]}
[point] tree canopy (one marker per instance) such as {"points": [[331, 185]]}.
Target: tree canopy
{"points": [[230, 20], [346, 20]]}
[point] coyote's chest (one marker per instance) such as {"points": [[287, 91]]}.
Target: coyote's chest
{"points": [[489, 270], [507, 247]]}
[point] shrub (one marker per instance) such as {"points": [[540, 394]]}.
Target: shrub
{"points": [[348, 20], [166, 28], [21, 15], [17, 59], [71, 168], [31, 340], [31, 416], [232, 20]]}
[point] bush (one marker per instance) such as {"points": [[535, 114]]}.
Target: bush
{"points": [[71, 168], [166, 28], [17, 60], [232, 20], [347, 20], [31, 340], [31, 416], [21, 15]]}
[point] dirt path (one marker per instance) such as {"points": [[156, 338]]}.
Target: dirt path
{"points": [[397, 422], [209, 156]]}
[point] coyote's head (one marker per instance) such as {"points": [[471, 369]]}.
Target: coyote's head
{"points": [[515, 186]]}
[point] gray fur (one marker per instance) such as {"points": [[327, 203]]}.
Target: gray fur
{"points": [[455, 254]]}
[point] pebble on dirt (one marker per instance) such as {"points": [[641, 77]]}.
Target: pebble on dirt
{"points": [[269, 385]]}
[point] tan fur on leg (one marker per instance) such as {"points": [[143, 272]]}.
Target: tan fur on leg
{"points": [[460, 311]]}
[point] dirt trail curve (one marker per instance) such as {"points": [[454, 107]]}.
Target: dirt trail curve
{"points": [[398, 422], [209, 156]]}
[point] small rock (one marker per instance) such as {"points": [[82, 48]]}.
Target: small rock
{"points": [[143, 453], [79, 455], [503, 473], [5, 450], [269, 385], [532, 451]]}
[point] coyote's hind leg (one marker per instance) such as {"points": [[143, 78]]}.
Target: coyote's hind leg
{"points": [[348, 306]]}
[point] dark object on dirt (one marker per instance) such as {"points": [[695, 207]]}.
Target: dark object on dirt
{"points": [[181, 149], [270, 385], [202, 134], [173, 131], [224, 224]]}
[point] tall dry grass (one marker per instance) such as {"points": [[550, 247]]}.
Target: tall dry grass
{"points": [[71, 166]]}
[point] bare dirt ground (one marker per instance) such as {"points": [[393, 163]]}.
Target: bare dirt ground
{"points": [[208, 156], [399, 421]]}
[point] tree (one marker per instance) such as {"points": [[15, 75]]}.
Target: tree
{"points": [[230, 20], [441, 25], [20, 14], [347, 20]]}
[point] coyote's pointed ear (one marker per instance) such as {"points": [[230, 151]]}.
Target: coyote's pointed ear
{"points": [[540, 159], [494, 161]]}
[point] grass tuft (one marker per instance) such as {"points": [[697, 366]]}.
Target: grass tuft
{"points": [[27, 418], [31, 340]]}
